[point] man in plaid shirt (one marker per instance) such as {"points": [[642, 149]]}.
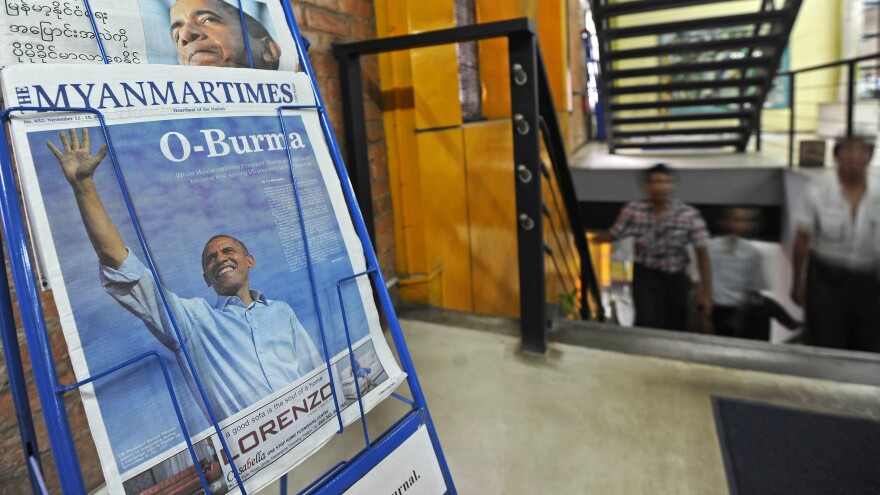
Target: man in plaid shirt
{"points": [[663, 227]]}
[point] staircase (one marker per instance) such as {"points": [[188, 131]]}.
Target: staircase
{"points": [[698, 79]]}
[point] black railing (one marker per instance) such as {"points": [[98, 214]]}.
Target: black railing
{"points": [[851, 125], [767, 29], [533, 114]]}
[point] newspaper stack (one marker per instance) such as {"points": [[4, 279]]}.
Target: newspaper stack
{"points": [[138, 32], [229, 287]]}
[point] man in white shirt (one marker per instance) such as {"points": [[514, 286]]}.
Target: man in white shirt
{"points": [[736, 270], [837, 229]]}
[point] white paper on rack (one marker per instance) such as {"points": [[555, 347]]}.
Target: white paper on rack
{"points": [[201, 151], [133, 32]]}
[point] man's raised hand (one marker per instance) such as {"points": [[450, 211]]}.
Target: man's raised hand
{"points": [[79, 167], [77, 161]]}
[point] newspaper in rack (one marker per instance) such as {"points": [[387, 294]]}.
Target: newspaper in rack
{"points": [[136, 32], [202, 152]]}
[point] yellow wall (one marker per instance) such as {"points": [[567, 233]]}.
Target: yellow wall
{"points": [[452, 183], [815, 40]]}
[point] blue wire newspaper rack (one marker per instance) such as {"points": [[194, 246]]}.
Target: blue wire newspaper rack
{"points": [[51, 393]]}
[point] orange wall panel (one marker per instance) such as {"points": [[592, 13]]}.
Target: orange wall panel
{"points": [[492, 214], [428, 15], [553, 36], [434, 69], [444, 204], [435, 87], [494, 65]]}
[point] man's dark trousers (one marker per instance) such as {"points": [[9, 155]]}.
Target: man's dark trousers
{"points": [[660, 298], [842, 307]]}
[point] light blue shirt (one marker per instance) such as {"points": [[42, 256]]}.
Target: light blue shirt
{"points": [[241, 353], [736, 270]]}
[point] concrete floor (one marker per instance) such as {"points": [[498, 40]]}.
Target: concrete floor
{"points": [[774, 153], [578, 420], [596, 155]]}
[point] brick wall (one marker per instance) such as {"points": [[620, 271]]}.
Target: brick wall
{"points": [[13, 473], [323, 22]]}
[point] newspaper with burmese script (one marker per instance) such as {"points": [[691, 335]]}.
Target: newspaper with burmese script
{"points": [[202, 152], [137, 32]]}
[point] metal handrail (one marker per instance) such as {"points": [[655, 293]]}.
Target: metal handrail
{"points": [[851, 65], [530, 97], [829, 65]]}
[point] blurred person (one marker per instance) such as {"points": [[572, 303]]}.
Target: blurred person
{"points": [[663, 227], [737, 271], [837, 241]]}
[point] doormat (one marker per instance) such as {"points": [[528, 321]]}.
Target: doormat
{"points": [[775, 450]]}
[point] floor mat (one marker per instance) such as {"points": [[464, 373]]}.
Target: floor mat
{"points": [[774, 450]]}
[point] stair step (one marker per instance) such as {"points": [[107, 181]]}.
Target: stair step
{"points": [[681, 144], [685, 131], [685, 86], [639, 6], [743, 63], [680, 117], [660, 50], [647, 105], [697, 24]]}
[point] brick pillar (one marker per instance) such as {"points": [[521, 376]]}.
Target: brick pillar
{"points": [[13, 472], [325, 22]]}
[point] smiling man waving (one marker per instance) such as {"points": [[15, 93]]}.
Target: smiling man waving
{"points": [[244, 346]]}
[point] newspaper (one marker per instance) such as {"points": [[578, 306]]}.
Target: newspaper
{"points": [[202, 152], [136, 32]]}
